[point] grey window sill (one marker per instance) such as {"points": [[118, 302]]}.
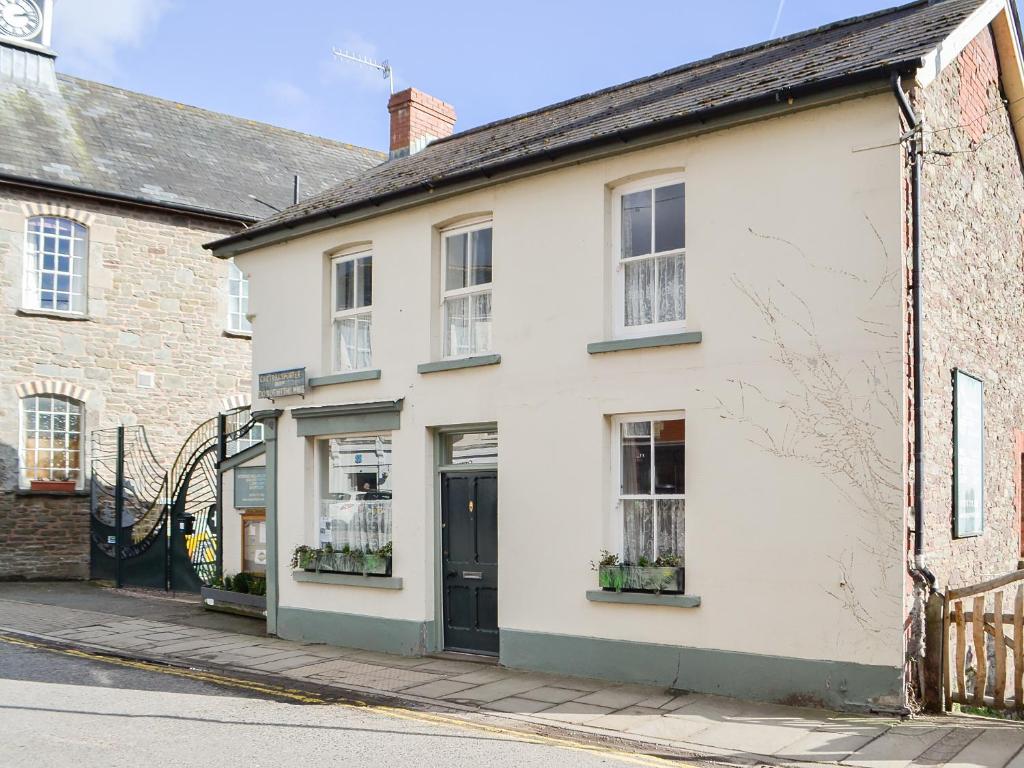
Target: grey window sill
{"points": [[237, 334], [344, 378], [645, 342], [454, 365], [348, 580], [71, 316], [643, 598]]}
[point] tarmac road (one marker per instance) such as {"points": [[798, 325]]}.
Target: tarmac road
{"points": [[62, 707]]}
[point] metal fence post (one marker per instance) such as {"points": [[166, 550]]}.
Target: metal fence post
{"points": [[222, 454], [119, 508]]}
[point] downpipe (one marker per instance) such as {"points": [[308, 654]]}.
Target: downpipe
{"points": [[920, 569]]}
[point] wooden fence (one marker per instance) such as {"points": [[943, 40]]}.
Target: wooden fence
{"points": [[983, 644]]}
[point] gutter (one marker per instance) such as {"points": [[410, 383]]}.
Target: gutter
{"points": [[117, 197], [920, 569], [546, 157]]}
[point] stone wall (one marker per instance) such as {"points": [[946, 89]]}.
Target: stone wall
{"points": [[43, 537], [157, 304], [973, 314]]}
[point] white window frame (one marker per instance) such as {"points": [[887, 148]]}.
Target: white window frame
{"points": [[336, 314], [24, 482], [320, 482], [474, 290], [617, 520], [621, 330], [33, 270], [238, 322]]}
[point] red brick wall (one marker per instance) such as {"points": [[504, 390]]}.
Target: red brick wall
{"points": [[415, 115]]}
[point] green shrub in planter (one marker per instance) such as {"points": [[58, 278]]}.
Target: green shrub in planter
{"points": [[666, 574], [348, 561]]}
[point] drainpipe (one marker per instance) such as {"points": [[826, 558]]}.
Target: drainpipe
{"points": [[920, 569]]}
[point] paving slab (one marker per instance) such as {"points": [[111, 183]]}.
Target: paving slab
{"points": [[500, 689], [613, 698], [897, 748], [830, 745], [574, 712], [551, 694], [518, 705], [995, 748], [624, 719], [438, 689]]}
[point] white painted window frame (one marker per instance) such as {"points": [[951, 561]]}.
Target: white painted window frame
{"points": [[336, 314], [238, 322], [456, 293], [320, 482], [616, 520], [24, 482], [619, 327], [32, 269]]}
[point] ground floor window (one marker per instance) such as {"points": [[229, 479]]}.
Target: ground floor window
{"points": [[650, 492], [51, 440], [355, 493]]}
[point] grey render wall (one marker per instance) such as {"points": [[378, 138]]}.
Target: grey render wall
{"points": [[158, 304], [973, 318]]}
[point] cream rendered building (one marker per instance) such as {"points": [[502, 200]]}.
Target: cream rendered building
{"points": [[666, 319]]}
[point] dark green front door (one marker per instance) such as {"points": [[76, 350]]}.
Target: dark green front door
{"points": [[469, 561]]}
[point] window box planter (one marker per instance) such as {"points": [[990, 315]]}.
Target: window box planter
{"points": [[225, 601], [637, 578], [338, 562], [53, 486]]}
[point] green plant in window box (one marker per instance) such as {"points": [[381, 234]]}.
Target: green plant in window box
{"points": [[666, 574], [346, 560]]}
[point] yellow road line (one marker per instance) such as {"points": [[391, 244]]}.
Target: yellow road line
{"points": [[303, 697]]}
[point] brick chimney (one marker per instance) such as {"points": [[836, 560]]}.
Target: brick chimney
{"points": [[416, 120]]}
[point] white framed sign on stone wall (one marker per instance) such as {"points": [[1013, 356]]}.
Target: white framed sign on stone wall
{"points": [[968, 455]]}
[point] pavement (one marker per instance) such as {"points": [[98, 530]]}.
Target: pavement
{"points": [[644, 719], [68, 710]]}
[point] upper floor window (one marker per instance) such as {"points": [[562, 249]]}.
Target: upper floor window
{"points": [[238, 300], [351, 304], [650, 258], [51, 440], [55, 264], [466, 320]]}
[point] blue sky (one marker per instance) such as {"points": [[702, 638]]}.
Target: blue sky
{"points": [[270, 60]]}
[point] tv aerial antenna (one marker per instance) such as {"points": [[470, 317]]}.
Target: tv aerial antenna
{"points": [[382, 66]]}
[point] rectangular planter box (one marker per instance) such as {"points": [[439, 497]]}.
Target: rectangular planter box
{"points": [[635, 578], [364, 565], [234, 602], [53, 486]]}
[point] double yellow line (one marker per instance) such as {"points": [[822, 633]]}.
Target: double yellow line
{"points": [[304, 697]]}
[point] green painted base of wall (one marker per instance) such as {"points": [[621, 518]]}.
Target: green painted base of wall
{"points": [[350, 630], [831, 684]]}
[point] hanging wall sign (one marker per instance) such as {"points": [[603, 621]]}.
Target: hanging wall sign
{"points": [[282, 383], [968, 455]]}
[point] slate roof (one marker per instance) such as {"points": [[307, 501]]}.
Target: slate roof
{"points": [[106, 140], [853, 50]]}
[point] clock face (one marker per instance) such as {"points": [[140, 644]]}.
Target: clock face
{"points": [[21, 19]]}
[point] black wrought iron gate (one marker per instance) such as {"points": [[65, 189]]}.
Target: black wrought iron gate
{"points": [[151, 528]]}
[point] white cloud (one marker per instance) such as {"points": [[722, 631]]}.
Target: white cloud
{"points": [[287, 94], [90, 39]]}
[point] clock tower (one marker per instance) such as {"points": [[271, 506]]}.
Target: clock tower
{"points": [[25, 54]]}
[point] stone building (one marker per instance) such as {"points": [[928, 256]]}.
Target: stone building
{"points": [[757, 319], [110, 311]]}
